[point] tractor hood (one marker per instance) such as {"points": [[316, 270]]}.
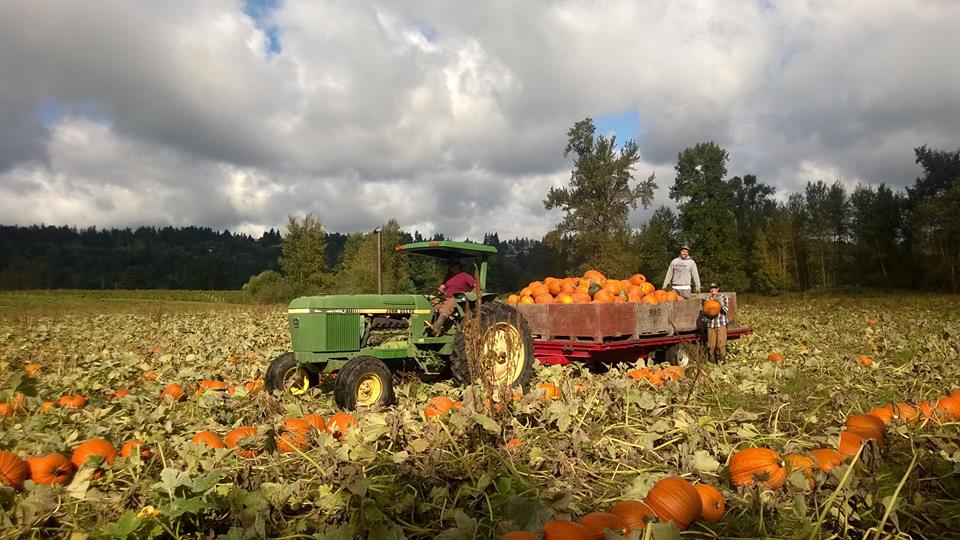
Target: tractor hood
{"points": [[361, 303]]}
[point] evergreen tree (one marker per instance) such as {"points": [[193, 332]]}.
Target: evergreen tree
{"points": [[303, 262], [655, 243], [598, 201], [707, 214]]}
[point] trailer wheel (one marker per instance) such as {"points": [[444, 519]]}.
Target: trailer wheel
{"points": [[363, 381], [285, 374], [680, 354], [503, 334]]}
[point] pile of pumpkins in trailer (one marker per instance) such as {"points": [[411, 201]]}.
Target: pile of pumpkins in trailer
{"points": [[592, 287]]}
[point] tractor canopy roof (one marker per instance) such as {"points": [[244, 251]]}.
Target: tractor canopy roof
{"points": [[446, 249]]}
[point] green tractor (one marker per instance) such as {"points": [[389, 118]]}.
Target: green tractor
{"points": [[365, 337]]}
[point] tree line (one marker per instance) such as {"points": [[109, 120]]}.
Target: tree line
{"points": [[740, 232]]}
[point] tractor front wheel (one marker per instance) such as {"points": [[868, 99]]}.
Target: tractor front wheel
{"points": [[285, 374], [499, 335], [362, 382]]}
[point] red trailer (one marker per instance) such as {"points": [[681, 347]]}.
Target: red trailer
{"points": [[566, 333]]}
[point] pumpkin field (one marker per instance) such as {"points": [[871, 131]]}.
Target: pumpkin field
{"points": [[834, 419]]}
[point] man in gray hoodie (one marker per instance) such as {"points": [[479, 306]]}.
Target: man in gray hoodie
{"points": [[682, 273]]}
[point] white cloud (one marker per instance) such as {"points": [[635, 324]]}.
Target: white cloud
{"points": [[450, 117]]}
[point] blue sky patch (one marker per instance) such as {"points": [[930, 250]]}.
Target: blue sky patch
{"points": [[260, 11], [625, 125]]}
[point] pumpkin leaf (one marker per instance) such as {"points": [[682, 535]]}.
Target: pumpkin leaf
{"points": [[664, 531], [704, 462]]}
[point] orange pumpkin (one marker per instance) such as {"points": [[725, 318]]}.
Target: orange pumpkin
{"points": [[438, 407], [581, 297], [564, 298], [826, 459], [94, 448], [775, 357], [675, 499], [292, 441], [711, 308], [852, 439], [119, 394], [884, 414], [47, 407], [253, 385], [75, 401], [340, 423], [50, 469], [802, 463], [526, 300], [546, 298], [598, 522], [550, 390], [13, 470], [31, 369], [540, 290], [865, 360], [132, 446], [950, 407], [650, 299], [206, 384], [930, 412], [513, 443], [636, 514], [713, 503], [6, 409], [174, 391], [637, 279], [316, 421], [867, 422], [565, 530], [672, 373], [513, 299], [208, 438], [603, 296], [234, 437], [758, 465], [905, 412], [297, 425]]}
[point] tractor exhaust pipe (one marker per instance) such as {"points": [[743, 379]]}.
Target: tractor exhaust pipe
{"points": [[379, 266]]}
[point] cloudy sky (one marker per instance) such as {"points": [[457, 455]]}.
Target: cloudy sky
{"points": [[449, 116]]}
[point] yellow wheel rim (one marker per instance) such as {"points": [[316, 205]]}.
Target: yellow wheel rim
{"points": [[369, 390], [297, 387], [504, 342]]}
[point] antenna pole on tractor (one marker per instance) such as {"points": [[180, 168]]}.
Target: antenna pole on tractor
{"points": [[379, 269]]}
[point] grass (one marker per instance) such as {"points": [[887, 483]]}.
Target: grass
{"points": [[36, 304]]}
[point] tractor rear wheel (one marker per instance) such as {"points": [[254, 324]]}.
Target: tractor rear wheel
{"points": [[285, 374], [680, 354], [504, 339], [363, 381]]}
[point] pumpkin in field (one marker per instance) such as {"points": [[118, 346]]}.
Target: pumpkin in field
{"points": [[711, 308], [47, 407], [802, 463], [758, 465], [865, 360], [775, 357], [208, 438], [297, 425], [565, 530], [826, 459], [119, 394], [868, 423], [905, 412], [31, 369], [675, 499], [73, 401], [50, 469], [597, 522], [636, 514], [884, 414], [712, 501], [6, 409], [519, 535], [931, 412], [339, 423], [550, 390], [292, 441], [950, 407], [132, 446], [316, 422], [438, 407], [93, 448], [206, 384], [13, 470], [173, 391], [852, 439], [235, 437], [672, 373]]}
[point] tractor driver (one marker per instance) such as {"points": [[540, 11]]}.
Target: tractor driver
{"points": [[456, 281]]}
